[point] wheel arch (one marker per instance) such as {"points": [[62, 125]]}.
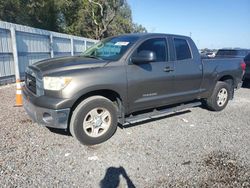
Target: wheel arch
{"points": [[227, 78], [107, 93], [231, 81]]}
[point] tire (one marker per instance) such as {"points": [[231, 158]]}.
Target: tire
{"points": [[220, 97], [94, 120]]}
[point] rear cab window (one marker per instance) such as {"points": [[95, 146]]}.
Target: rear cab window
{"points": [[231, 53], [226, 53], [182, 49], [242, 52]]}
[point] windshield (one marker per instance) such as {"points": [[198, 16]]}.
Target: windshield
{"points": [[111, 48]]}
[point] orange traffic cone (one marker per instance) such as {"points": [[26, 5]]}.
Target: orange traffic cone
{"points": [[19, 100]]}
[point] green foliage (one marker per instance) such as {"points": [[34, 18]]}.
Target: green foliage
{"points": [[11, 11], [43, 14], [122, 22], [138, 28], [40, 13], [89, 18]]}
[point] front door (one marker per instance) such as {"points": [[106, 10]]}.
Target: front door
{"points": [[150, 84]]}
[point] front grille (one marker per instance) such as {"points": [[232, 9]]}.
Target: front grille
{"points": [[30, 82]]}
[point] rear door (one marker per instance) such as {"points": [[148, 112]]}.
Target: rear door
{"points": [[188, 69], [150, 84]]}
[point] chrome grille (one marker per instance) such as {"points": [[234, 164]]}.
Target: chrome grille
{"points": [[30, 82]]}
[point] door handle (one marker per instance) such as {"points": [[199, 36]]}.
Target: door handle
{"points": [[168, 69]]}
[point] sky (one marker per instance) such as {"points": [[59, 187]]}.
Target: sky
{"points": [[211, 23]]}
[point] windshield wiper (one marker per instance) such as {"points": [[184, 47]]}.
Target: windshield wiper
{"points": [[91, 56]]}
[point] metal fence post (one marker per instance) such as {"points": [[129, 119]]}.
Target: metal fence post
{"points": [[51, 46], [22, 45], [14, 52], [72, 46], [85, 44]]}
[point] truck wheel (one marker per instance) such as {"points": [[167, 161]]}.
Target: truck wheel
{"points": [[220, 97], [94, 120]]}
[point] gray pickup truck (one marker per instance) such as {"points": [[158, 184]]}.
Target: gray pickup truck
{"points": [[126, 79]]}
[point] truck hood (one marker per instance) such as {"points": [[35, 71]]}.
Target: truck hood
{"points": [[67, 63]]}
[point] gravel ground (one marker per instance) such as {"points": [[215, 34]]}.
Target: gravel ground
{"points": [[198, 148]]}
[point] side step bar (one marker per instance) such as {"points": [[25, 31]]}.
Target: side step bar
{"points": [[159, 113]]}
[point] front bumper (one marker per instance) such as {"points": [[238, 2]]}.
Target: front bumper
{"points": [[46, 117]]}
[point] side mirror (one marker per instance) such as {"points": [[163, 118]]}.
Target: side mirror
{"points": [[144, 56]]}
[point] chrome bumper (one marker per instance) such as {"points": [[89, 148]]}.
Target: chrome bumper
{"points": [[47, 117]]}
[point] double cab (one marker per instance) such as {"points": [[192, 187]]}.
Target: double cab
{"points": [[125, 79]]}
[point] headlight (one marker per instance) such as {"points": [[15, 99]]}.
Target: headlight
{"points": [[56, 83]]}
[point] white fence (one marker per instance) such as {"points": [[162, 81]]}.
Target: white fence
{"points": [[21, 46]]}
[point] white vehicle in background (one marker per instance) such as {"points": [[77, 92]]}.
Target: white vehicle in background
{"points": [[210, 54]]}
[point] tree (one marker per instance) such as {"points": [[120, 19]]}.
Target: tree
{"points": [[11, 11], [122, 22], [89, 18], [68, 16], [110, 18], [43, 14], [40, 13], [138, 28], [103, 13]]}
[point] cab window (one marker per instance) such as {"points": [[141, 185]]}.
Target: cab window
{"points": [[182, 49], [156, 45]]}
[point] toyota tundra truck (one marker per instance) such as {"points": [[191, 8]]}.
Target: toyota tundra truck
{"points": [[124, 80]]}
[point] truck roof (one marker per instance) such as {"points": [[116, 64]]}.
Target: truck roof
{"points": [[142, 35]]}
